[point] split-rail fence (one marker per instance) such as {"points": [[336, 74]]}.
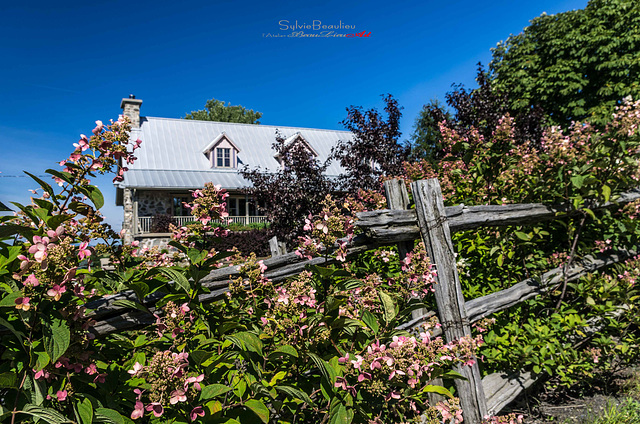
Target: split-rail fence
{"points": [[432, 222]]}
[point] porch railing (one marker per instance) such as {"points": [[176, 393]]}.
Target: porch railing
{"points": [[145, 223]]}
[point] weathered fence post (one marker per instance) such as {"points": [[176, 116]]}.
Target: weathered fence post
{"points": [[434, 229], [397, 198], [278, 248], [395, 191]]}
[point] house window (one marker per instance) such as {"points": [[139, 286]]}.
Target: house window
{"points": [[232, 206], [223, 157], [179, 209]]}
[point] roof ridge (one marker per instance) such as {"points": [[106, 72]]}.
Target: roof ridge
{"points": [[241, 124]]}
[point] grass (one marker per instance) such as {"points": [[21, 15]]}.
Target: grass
{"points": [[626, 412]]}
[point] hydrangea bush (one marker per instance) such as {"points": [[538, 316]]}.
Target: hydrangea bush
{"points": [[574, 168], [321, 346]]}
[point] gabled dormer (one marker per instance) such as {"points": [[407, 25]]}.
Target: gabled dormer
{"points": [[295, 139], [222, 152]]}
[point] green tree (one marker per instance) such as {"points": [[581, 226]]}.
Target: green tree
{"points": [[216, 110], [575, 65], [426, 135]]}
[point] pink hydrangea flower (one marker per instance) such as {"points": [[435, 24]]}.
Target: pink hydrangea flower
{"points": [[39, 248], [83, 252], [137, 367], [195, 381], [32, 281]]}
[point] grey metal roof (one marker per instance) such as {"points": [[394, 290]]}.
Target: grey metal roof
{"points": [[171, 153]]}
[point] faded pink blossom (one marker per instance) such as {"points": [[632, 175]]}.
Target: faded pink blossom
{"points": [[177, 396], [138, 411], [23, 303], [156, 408], [56, 291], [196, 412]]}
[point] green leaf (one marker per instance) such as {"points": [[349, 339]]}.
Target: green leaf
{"points": [[178, 246], [213, 390], [10, 230], [246, 341], [591, 214], [258, 408], [523, 236], [388, 306], [196, 256], [126, 303], [109, 416], [285, 349], [578, 181], [28, 210], [42, 360], [64, 176], [11, 255], [606, 192], [45, 186], [48, 415], [5, 208], [56, 338], [437, 389], [9, 301], [8, 380], [177, 277], [55, 221], [85, 410], [200, 356], [325, 369], [371, 321], [93, 193], [322, 271], [19, 334], [294, 393], [451, 374], [44, 206], [339, 415]]}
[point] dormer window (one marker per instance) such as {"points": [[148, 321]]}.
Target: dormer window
{"points": [[223, 157], [222, 152], [297, 138]]}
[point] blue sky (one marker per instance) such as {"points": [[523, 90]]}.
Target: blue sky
{"points": [[66, 64]]}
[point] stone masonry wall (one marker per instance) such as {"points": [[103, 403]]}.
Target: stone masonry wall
{"points": [[151, 203]]}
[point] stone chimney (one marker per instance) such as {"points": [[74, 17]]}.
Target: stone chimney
{"points": [[131, 109]]}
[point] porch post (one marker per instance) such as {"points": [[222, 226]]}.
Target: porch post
{"points": [[128, 224]]}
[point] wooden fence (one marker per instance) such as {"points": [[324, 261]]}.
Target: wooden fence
{"points": [[433, 223]]}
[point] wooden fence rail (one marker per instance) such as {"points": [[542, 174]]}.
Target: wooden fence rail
{"points": [[434, 223]]}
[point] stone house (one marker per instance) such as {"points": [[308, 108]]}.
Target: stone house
{"points": [[178, 156]]}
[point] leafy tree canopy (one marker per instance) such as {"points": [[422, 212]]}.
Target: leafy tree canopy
{"points": [[472, 111], [216, 110], [375, 149], [575, 65], [296, 189]]}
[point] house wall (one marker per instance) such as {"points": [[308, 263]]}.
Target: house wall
{"points": [[153, 202]]}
